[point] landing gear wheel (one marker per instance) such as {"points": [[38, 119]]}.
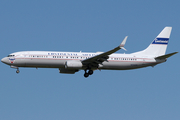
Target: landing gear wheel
{"points": [[17, 71], [86, 75], [90, 72]]}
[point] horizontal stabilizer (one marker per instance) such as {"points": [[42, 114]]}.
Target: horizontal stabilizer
{"points": [[166, 56]]}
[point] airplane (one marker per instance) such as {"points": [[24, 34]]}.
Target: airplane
{"points": [[72, 62]]}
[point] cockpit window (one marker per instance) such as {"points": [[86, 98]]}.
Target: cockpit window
{"points": [[10, 56]]}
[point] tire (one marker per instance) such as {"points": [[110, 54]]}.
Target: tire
{"points": [[86, 75]]}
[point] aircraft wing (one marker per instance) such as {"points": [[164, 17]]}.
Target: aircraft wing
{"points": [[99, 59]]}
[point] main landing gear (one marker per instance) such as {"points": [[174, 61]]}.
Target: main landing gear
{"points": [[86, 74]]}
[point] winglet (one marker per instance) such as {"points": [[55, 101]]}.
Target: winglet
{"points": [[123, 43]]}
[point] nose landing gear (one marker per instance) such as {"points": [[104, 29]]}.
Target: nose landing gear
{"points": [[17, 71]]}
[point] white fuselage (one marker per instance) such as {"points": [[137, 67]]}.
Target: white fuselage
{"points": [[49, 59]]}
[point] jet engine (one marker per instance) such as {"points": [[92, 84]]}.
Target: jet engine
{"points": [[72, 64]]}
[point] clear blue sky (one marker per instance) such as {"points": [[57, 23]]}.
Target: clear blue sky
{"points": [[89, 26]]}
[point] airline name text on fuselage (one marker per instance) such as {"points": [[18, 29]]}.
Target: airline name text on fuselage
{"points": [[71, 54]]}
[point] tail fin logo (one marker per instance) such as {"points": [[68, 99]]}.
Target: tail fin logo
{"points": [[163, 41]]}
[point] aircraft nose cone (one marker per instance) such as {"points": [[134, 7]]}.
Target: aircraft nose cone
{"points": [[3, 60]]}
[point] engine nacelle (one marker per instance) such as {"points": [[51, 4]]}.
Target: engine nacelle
{"points": [[72, 64], [100, 66]]}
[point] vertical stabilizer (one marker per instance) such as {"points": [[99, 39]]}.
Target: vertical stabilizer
{"points": [[159, 45]]}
